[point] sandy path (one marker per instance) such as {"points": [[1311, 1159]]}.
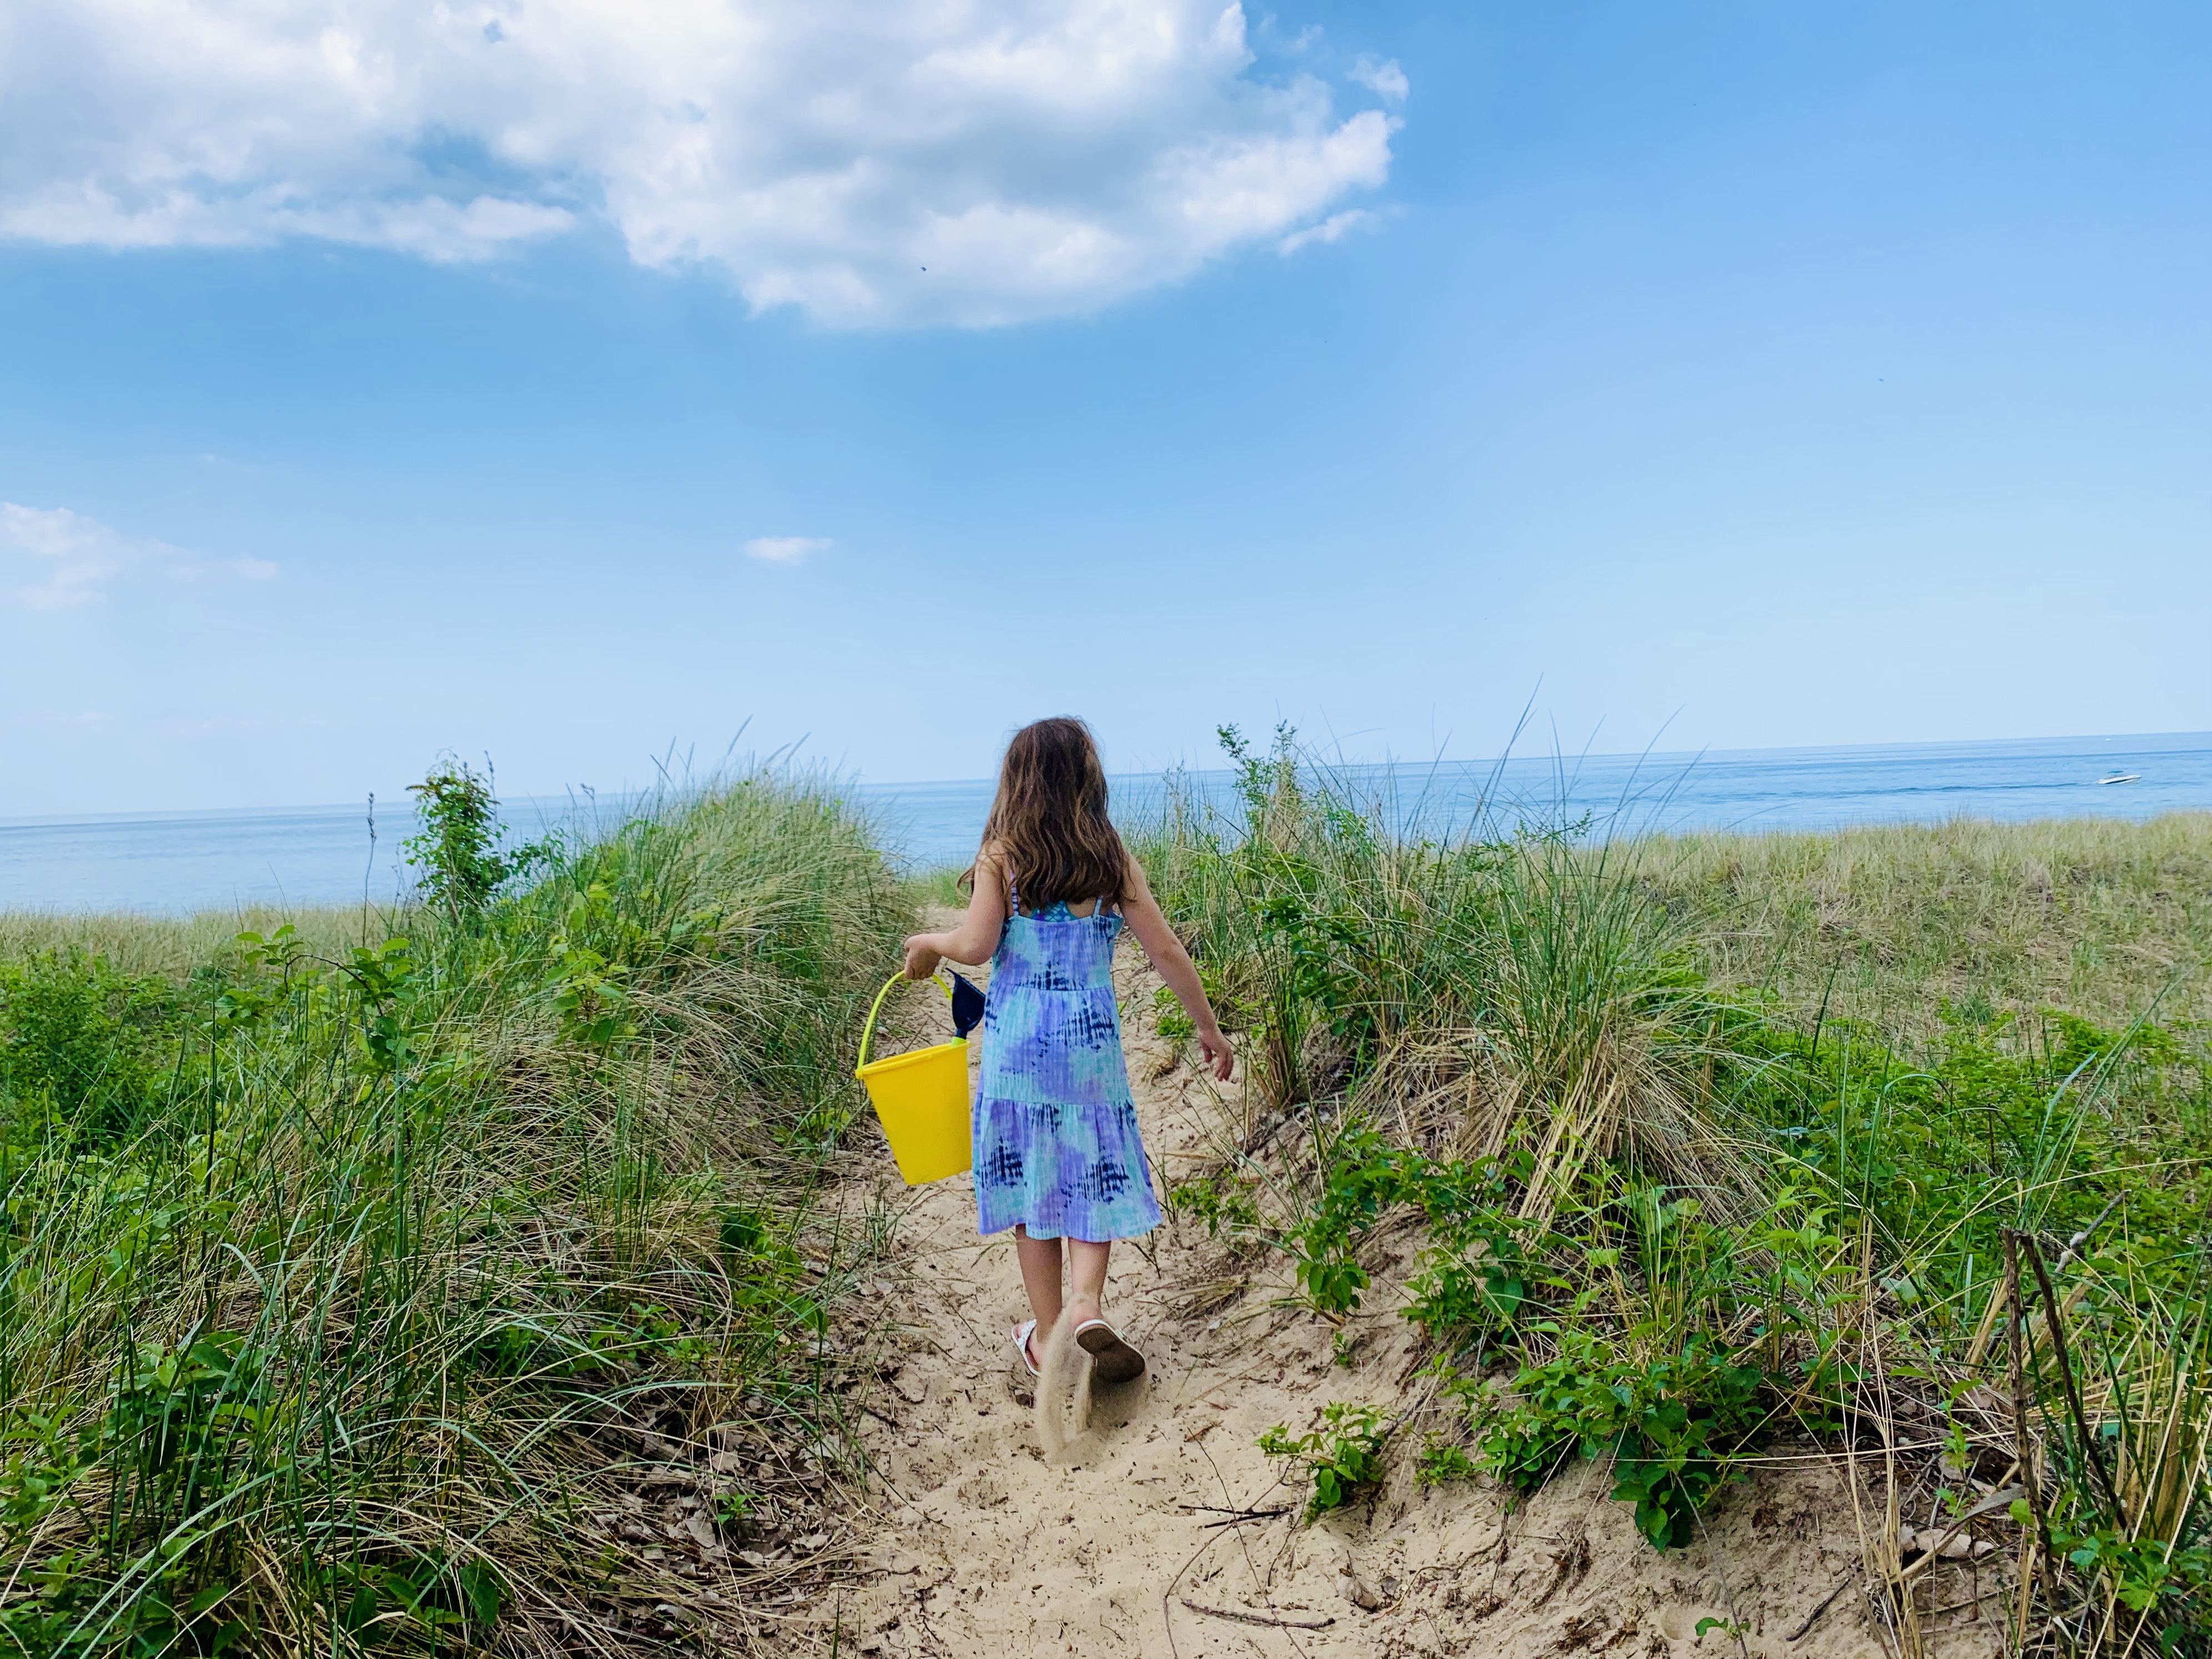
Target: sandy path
{"points": [[986, 1547]]}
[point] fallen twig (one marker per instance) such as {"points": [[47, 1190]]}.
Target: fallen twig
{"points": [[1806, 1623], [1233, 1517], [1239, 1520], [1961, 1607], [1256, 1618], [1167, 1619]]}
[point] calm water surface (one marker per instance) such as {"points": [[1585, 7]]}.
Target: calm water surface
{"points": [[178, 862]]}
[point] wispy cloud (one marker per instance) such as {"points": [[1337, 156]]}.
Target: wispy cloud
{"points": [[75, 559], [788, 549], [1328, 230], [872, 162], [1385, 80]]}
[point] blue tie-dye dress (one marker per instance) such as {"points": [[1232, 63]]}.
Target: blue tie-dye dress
{"points": [[1056, 1142]]}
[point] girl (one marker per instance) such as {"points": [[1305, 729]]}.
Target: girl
{"points": [[1057, 1152]]}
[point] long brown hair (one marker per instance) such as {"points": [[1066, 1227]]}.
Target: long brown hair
{"points": [[1049, 830]]}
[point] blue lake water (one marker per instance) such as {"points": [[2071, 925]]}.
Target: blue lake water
{"points": [[173, 863]]}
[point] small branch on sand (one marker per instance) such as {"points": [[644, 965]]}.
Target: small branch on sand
{"points": [[1232, 1518], [1256, 1618], [1806, 1623]]}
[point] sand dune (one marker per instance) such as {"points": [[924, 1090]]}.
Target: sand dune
{"points": [[987, 1546]]}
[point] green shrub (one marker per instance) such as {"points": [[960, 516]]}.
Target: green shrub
{"points": [[1441, 1461], [461, 849], [92, 1050], [1752, 1108], [1361, 1177], [1169, 1018], [1343, 1455], [1485, 1265], [1222, 1201], [1668, 1426]]}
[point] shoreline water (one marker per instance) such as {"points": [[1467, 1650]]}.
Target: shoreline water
{"points": [[175, 863]]}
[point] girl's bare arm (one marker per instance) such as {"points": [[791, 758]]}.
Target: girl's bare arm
{"points": [[1142, 912], [975, 937]]}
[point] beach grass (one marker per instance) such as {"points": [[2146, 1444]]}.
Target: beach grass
{"points": [[937, 889], [372, 1277], [363, 1276], [175, 946], [1901, 923], [1715, 1140]]}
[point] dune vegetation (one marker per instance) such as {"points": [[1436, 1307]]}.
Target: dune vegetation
{"points": [[480, 1275], [360, 1271], [1916, 927], [1892, 1143]]}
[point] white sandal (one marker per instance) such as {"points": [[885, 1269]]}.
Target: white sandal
{"points": [[1112, 1358], [1022, 1331]]}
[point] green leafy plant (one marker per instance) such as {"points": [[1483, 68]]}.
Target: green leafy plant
{"points": [[1481, 1270], [1362, 1177], [1338, 1457], [1442, 1460], [384, 977], [2166, 1585], [461, 849], [1169, 1018], [91, 1050], [185, 1432], [1220, 1200], [590, 992], [1668, 1426], [426, 1595]]}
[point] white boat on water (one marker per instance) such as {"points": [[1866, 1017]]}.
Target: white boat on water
{"points": [[2121, 777]]}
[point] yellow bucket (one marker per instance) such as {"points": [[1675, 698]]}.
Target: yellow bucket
{"points": [[921, 1099]]}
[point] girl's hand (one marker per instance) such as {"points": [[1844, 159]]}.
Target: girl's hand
{"points": [[922, 956], [1214, 1050]]}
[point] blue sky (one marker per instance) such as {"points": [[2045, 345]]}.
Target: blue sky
{"points": [[1763, 375]]}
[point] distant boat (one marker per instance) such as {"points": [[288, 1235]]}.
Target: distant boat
{"points": [[2121, 777]]}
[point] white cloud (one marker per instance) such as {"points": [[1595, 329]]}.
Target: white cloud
{"points": [[788, 549], [74, 558], [1328, 230], [870, 161], [1385, 80]]}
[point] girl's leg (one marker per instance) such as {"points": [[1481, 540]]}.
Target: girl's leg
{"points": [[1086, 1273], [1040, 1269]]}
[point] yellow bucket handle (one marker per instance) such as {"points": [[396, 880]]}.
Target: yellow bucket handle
{"points": [[868, 1030]]}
